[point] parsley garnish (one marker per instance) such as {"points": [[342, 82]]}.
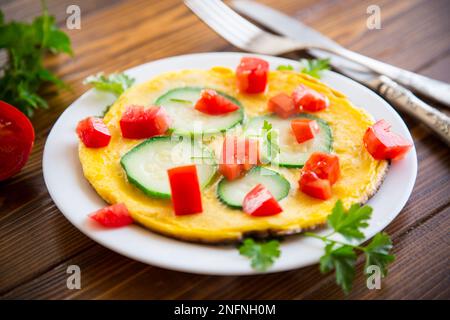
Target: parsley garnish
{"points": [[285, 67], [271, 137], [261, 254], [314, 67], [115, 83], [23, 74], [338, 256]]}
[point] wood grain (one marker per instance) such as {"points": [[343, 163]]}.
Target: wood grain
{"points": [[37, 243]]}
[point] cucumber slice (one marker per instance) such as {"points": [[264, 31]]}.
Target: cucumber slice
{"points": [[232, 193], [291, 153], [179, 104], [146, 164]]}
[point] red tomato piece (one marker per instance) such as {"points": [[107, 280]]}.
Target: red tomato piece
{"points": [[315, 187], [324, 165], [113, 216], [16, 140], [383, 144], [93, 132], [238, 156], [252, 74], [138, 122], [307, 99], [282, 105], [185, 189], [213, 103], [259, 202], [304, 129]]}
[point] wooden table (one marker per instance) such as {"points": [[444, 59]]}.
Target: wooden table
{"points": [[37, 243]]}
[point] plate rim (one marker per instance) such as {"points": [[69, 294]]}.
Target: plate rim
{"points": [[246, 271]]}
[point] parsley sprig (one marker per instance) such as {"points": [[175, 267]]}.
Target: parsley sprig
{"points": [[312, 67], [115, 83], [272, 138], [339, 256], [261, 254], [23, 74]]}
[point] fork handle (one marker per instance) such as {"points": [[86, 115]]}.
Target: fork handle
{"points": [[407, 102], [434, 89]]}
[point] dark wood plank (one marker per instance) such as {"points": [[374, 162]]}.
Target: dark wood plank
{"points": [[37, 243]]}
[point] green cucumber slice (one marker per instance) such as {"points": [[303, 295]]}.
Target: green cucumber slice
{"points": [[291, 153], [232, 193], [146, 164], [179, 104]]}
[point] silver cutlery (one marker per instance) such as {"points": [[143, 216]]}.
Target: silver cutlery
{"points": [[247, 36]]}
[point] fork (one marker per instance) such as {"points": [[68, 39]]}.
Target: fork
{"points": [[248, 37]]}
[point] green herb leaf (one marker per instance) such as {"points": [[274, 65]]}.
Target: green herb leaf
{"points": [[285, 67], [115, 83], [262, 254], [314, 67], [272, 137], [348, 223], [378, 252], [23, 74], [341, 259]]}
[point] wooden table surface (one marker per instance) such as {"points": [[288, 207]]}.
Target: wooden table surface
{"points": [[37, 243]]}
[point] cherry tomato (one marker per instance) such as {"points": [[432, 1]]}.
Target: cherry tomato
{"points": [[93, 132], [324, 165], [213, 103], [113, 216], [383, 144], [259, 202], [307, 99], [315, 187], [304, 129], [252, 74], [138, 122], [238, 156], [16, 140], [282, 105]]}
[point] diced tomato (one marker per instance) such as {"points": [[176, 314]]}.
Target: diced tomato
{"points": [[282, 105], [138, 122], [259, 202], [313, 186], [304, 129], [185, 189], [16, 140], [238, 156], [307, 99], [213, 103], [93, 132], [252, 74], [383, 144], [324, 165], [113, 216]]}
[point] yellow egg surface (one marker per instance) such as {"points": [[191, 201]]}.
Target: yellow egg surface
{"points": [[361, 175]]}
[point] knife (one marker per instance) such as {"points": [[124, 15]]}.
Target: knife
{"points": [[396, 94]]}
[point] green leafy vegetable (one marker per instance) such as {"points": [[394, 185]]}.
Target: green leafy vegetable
{"points": [[314, 67], [23, 74], [285, 67], [261, 254], [272, 137], [340, 256], [348, 223], [115, 83]]}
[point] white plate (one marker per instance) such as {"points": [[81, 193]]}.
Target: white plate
{"points": [[75, 197]]}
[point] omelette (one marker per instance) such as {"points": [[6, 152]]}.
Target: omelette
{"points": [[221, 222]]}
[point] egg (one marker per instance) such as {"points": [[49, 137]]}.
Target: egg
{"points": [[361, 175]]}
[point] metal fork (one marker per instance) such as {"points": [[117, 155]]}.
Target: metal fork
{"points": [[248, 37]]}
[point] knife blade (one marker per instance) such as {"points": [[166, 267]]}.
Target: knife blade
{"points": [[292, 28]]}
